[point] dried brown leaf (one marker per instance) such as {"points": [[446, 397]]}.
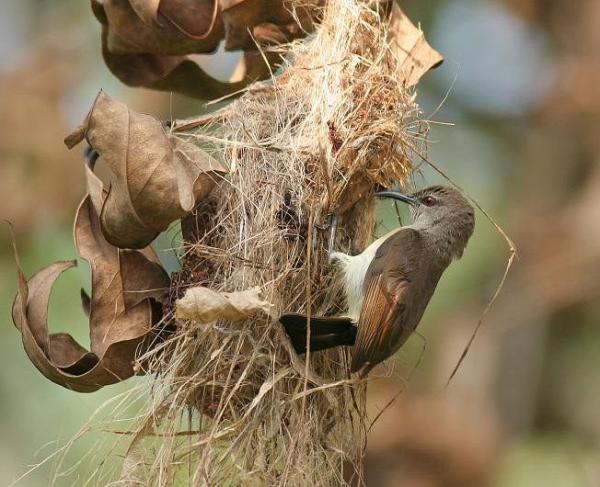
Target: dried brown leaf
{"points": [[205, 305], [146, 43], [267, 33], [177, 27], [156, 178], [124, 284], [177, 74], [197, 19], [152, 68], [194, 18], [412, 51], [147, 10], [239, 16]]}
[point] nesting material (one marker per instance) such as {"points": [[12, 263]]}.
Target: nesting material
{"points": [[341, 119], [204, 305]]}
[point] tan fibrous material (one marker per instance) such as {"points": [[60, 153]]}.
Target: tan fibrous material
{"points": [[340, 119], [203, 305]]}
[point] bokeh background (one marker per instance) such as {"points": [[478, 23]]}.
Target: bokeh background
{"points": [[517, 112]]}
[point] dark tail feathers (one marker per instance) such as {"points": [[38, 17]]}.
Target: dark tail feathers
{"points": [[325, 332]]}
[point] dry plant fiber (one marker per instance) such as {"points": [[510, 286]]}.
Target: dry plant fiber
{"points": [[232, 403]]}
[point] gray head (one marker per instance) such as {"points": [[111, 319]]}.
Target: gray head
{"points": [[443, 212]]}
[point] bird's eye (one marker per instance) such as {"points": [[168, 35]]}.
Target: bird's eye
{"points": [[428, 201]]}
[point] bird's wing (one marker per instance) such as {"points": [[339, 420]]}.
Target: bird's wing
{"points": [[388, 287]]}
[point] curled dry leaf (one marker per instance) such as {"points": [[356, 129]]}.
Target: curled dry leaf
{"points": [[158, 68], [156, 178], [147, 43], [181, 74], [126, 287], [205, 305], [413, 54], [168, 27]]}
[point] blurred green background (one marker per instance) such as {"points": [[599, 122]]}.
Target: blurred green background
{"points": [[520, 83]]}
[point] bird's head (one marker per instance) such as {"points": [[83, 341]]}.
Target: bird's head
{"points": [[443, 211]]}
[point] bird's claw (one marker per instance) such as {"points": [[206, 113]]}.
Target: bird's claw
{"points": [[330, 224], [333, 223]]}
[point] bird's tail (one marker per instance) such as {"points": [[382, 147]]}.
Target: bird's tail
{"points": [[325, 333]]}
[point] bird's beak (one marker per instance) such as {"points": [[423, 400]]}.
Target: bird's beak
{"points": [[405, 198]]}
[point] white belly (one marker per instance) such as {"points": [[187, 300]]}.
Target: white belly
{"points": [[354, 269]]}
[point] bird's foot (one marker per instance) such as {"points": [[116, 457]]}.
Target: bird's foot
{"points": [[333, 223], [330, 224]]}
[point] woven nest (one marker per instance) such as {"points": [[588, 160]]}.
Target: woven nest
{"points": [[318, 139]]}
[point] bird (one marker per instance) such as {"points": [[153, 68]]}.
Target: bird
{"points": [[389, 285]]}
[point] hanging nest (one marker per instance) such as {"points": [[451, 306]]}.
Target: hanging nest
{"points": [[341, 120], [254, 184]]}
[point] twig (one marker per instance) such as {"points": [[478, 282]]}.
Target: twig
{"points": [[187, 124], [511, 257]]}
